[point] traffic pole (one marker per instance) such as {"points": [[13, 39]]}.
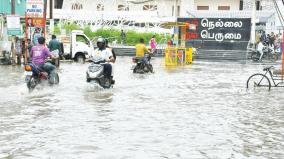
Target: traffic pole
{"points": [[282, 71]]}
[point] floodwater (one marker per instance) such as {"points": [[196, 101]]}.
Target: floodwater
{"points": [[202, 111]]}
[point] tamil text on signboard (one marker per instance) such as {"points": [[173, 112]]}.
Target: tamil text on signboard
{"points": [[217, 33]]}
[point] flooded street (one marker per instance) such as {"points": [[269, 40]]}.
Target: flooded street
{"points": [[199, 111]]}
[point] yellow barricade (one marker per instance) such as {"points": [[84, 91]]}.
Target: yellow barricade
{"points": [[178, 56]]}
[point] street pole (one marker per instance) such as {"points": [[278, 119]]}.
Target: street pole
{"points": [[44, 15], [12, 7], [253, 19], [50, 9]]}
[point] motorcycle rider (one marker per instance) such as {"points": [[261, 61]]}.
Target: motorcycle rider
{"points": [[39, 53], [141, 49], [106, 54]]}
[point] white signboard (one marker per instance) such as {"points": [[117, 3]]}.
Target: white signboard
{"points": [[35, 8], [13, 25]]}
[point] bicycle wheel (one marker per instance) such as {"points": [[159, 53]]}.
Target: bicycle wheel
{"points": [[258, 81]]}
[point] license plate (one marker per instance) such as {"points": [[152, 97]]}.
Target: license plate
{"points": [[27, 79], [132, 67], [28, 73]]}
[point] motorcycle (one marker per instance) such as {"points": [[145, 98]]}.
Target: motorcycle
{"points": [[36, 76], [267, 53], [95, 73], [143, 65]]}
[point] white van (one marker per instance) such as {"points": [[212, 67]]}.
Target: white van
{"points": [[77, 47]]}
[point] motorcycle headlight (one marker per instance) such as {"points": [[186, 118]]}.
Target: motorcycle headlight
{"points": [[28, 68]]}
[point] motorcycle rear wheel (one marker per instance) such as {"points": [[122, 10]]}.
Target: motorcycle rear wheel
{"points": [[55, 80], [254, 57]]}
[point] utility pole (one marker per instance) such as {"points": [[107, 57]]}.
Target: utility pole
{"points": [[12, 6], [175, 9], [50, 9], [253, 20], [44, 15]]}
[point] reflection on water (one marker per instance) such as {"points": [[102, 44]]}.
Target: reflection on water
{"points": [[197, 111]]}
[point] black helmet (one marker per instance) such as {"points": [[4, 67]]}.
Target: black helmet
{"points": [[101, 43]]}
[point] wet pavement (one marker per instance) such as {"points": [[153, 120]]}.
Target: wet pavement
{"points": [[198, 111]]}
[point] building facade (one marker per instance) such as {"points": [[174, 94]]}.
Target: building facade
{"points": [[153, 12], [6, 7]]}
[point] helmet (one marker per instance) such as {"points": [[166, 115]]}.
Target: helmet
{"points": [[101, 43]]}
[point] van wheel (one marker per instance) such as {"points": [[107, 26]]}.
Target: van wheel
{"points": [[80, 59]]}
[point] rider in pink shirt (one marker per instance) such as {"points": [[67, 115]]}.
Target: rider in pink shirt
{"points": [[39, 54]]}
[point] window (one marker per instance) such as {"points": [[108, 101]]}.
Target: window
{"points": [[223, 7], [178, 10], [83, 39], [123, 8], [77, 6], [202, 7], [241, 5], [150, 7], [58, 4], [100, 7]]}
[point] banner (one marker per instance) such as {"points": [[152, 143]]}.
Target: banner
{"points": [[35, 8], [218, 33], [13, 25], [34, 22]]}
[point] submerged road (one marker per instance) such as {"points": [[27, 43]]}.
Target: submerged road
{"points": [[198, 111]]}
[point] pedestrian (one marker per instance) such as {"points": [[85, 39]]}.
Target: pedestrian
{"points": [[271, 39], [55, 48], [263, 37], [153, 44], [18, 49], [123, 37]]}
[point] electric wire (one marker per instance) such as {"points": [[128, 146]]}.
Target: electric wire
{"points": [[279, 12]]}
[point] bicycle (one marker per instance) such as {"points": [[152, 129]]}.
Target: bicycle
{"points": [[259, 80]]}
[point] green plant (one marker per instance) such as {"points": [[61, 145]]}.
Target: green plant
{"points": [[132, 36], [57, 30], [70, 27]]}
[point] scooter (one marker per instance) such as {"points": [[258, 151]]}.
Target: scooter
{"points": [[143, 65], [267, 53], [36, 76], [95, 73]]}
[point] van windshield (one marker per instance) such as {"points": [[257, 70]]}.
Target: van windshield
{"points": [[83, 39]]}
